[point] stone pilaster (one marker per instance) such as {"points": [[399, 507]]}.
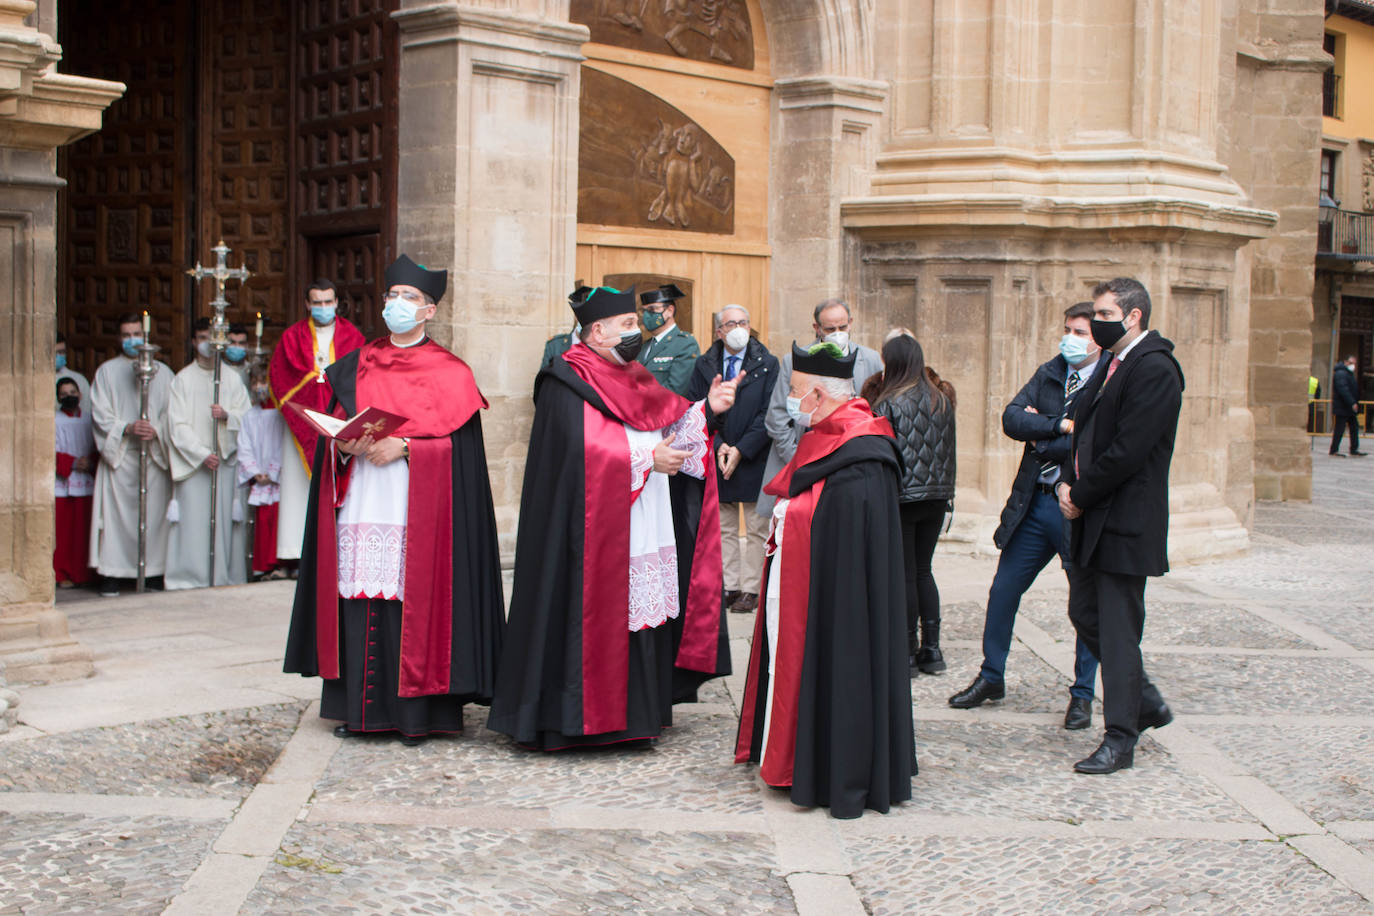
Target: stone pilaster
{"points": [[40, 110], [488, 189], [823, 144]]}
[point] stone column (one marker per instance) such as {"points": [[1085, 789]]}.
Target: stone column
{"points": [[40, 110], [488, 189], [823, 142]]}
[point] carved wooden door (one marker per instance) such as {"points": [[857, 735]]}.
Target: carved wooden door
{"points": [[343, 194], [244, 132], [126, 210]]}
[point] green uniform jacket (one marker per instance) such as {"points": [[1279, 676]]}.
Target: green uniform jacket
{"points": [[671, 359]]}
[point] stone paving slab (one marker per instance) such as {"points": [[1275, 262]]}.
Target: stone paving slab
{"points": [[1254, 685], [221, 754], [60, 864], [1025, 772], [1180, 623], [689, 769], [1328, 772], [1090, 876], [325, 870], [1032, 684]]}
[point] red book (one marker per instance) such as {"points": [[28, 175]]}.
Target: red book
{"points": [[372, 421]]}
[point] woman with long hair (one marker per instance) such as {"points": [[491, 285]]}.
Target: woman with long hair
{"points": [[920, 406]]}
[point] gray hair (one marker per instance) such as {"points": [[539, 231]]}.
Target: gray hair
{"points": [[716, 315], [841, 389], [830, 303]]}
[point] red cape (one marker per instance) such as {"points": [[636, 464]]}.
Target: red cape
{"points": [[435, 390], [850, 421], [294, 378], [638, 400]]}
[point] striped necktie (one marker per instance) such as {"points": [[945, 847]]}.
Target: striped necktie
{"points": [[731, 366], [1048, 469]]}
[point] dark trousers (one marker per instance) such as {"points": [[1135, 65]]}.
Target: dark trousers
{"points": [[921, 524], [1338, 429], [1041, 536], [1108, 611]]}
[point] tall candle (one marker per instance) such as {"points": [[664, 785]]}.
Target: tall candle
{"points": [[259, 324], [145, 324]]}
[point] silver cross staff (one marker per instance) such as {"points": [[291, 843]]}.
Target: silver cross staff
{"points": [[219, 339]]}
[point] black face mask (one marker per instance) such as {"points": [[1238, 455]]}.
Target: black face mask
{"points": [[629, 345], [1106, 333], [69, 402]]}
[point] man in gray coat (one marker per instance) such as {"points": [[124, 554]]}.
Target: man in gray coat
{"points": [[831, 321]]}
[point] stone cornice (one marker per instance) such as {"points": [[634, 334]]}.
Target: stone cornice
{"points": [[1293, 55], [448, 22], [1230, 224], [848, 92], [58, 110]]}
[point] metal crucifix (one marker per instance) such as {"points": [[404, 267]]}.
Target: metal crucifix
{"points": [[219, 339]]}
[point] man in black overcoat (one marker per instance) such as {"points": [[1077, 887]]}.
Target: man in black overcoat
{"points": [[741, 448], [1115, 490], [1345, 397]]}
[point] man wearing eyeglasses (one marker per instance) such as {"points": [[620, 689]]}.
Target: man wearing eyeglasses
{"points": [[399, 605], [741, 448], [669, 352]]}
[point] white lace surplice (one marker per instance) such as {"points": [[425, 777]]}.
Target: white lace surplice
{"points": [[653, 547], [372, 531], [771, 600]]}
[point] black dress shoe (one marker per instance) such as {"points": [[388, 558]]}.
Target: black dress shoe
{"points": [[412, 740], [1158, 717], [343, 731], [930, 660], [1359, 454], [1106, 759], [730, 598], [977, 693], [1079, 714]]}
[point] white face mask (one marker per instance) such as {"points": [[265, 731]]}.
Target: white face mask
{"points": [[795, 412], [736, 338], [839, 339], [205, 349]]}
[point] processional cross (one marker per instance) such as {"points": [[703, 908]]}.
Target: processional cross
{"points": [[219, 339]]}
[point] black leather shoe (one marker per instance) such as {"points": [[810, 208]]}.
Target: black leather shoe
{"points": [[412, 740], [977, 693], [930, 660], [1079, 714], [730, 598], [342, 731], [1106, 759], [1158, 717], [1359, 454]]}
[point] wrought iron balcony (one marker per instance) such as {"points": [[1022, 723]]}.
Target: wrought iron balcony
{"points": [[1345, 234]]}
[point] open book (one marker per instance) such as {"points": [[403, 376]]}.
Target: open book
{"points": [[372, 421]]}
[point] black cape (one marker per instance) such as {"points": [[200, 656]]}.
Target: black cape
{"points": [[538, 699], [855, 745], [478, 619]]}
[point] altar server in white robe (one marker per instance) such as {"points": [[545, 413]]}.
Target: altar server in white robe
{"points": [[193, 418], [118, 432]]}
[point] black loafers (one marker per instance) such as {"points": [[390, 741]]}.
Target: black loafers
{"points": [[412, 740], [1158, 717], [1106, 759], [341, 731], [1079, 714], [977, 693]]}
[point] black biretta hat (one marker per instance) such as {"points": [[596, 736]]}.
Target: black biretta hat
{"points": [[405, 272], [668, 292], [603, 302], [822, 363], [579, 296]]}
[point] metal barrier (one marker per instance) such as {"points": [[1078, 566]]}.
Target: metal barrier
{"points": [[1319, 416]]}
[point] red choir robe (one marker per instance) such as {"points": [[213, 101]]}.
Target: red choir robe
{"points": [[294, 377], [840, 732]]}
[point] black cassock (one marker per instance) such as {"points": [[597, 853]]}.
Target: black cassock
{"points": [[366, 694], [848, 743], [541, 687]]}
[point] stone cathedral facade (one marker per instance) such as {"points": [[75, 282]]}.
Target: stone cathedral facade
{"points": [[966, 169]]}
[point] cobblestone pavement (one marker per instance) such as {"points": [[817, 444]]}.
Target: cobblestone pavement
{"points": [[191, 776]]}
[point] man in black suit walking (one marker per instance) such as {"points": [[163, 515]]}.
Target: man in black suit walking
{"points": [[1115, 491]]}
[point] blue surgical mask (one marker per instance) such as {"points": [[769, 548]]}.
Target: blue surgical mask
{"points": [[1073, 348], [401, 316], [322, 314], [795, 412], [131, 345], [61, 361], [235, 354]]}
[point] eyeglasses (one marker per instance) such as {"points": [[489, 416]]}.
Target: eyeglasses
{"points": [[412, 298], [731, 325]]}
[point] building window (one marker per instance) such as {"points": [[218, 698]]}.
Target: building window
{"points": [[1331, 79], [1328, 177]]}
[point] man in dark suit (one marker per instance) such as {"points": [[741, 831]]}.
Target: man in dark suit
{"points": [[1115, 490], [741, 448], [1345, 397]]}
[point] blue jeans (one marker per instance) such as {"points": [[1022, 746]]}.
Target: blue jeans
{"points": [[1041, 535]]}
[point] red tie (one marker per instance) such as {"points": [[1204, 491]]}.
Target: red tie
{"points": [[1111, 369]]}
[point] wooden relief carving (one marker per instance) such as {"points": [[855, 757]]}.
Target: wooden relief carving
{"points": [[715, 31], [641, 162]]}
